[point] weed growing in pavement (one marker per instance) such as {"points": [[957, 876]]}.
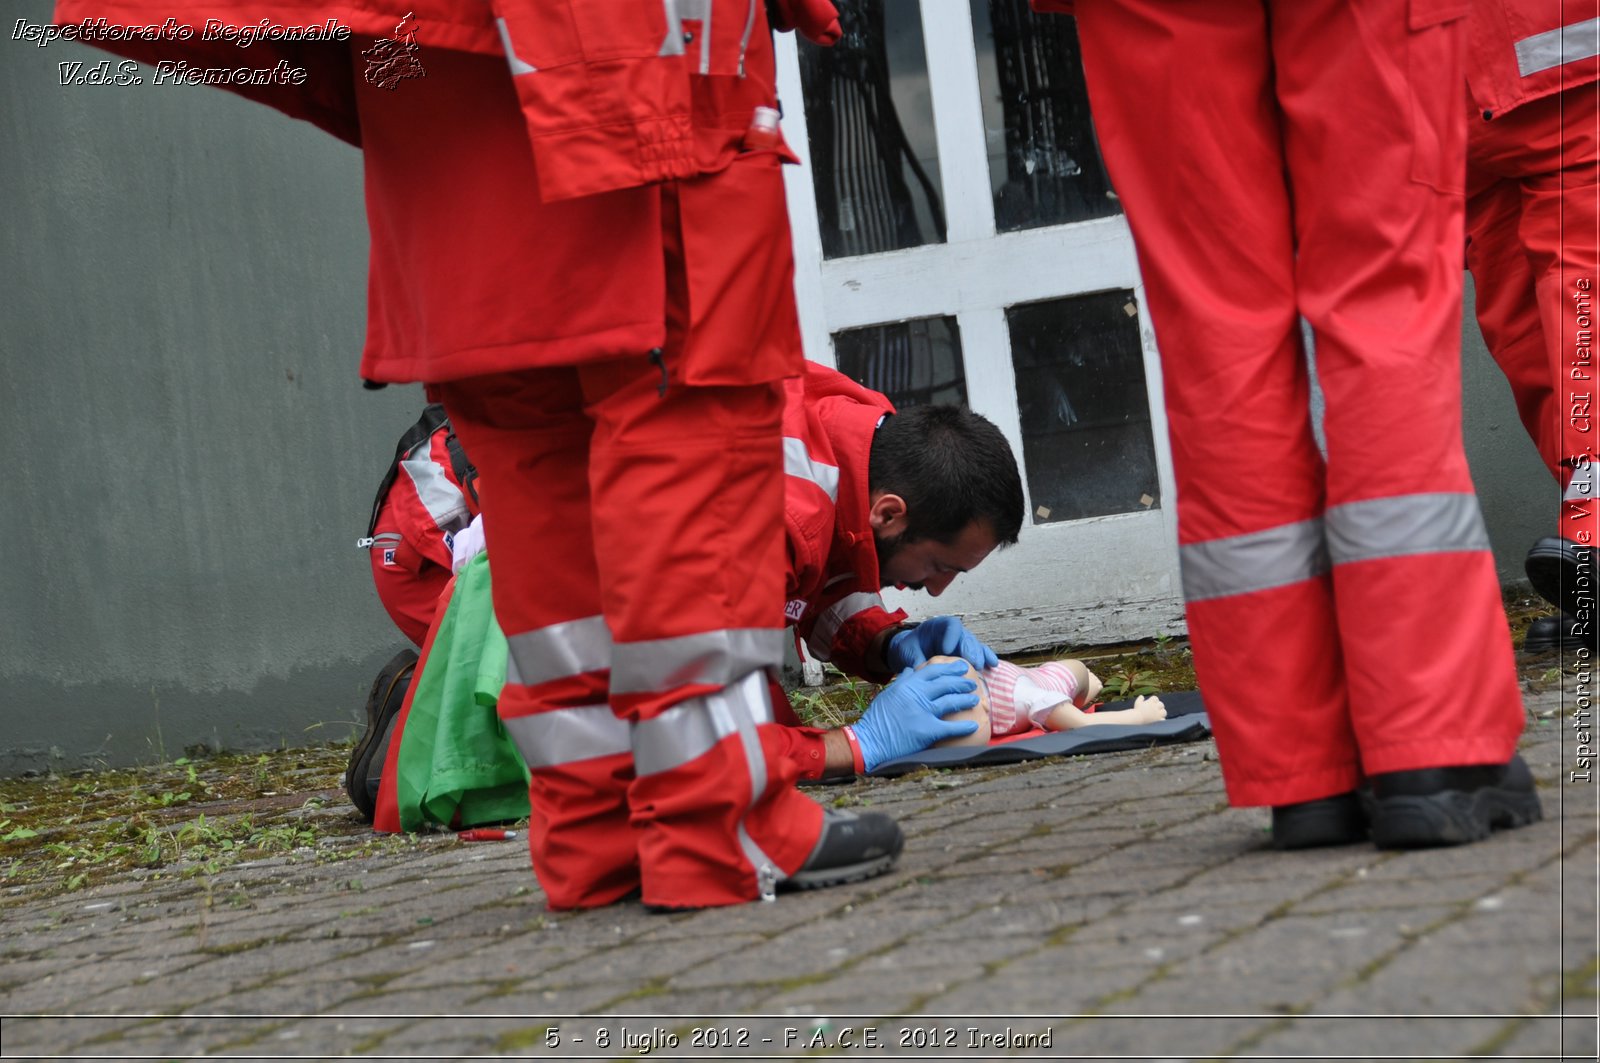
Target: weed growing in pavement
{"points": [[193, 817]]}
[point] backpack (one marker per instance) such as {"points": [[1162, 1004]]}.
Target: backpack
{"points": [[433, 418]]}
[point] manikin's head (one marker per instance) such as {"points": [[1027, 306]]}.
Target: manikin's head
{"points": [[944, 492]]}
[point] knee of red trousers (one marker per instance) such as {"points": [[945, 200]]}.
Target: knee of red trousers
{"points": [[711, 829]]}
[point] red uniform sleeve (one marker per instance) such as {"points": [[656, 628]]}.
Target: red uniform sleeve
{"points": [[840, 625]]}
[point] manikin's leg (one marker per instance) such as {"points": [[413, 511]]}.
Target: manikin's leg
{"points": [[1067, 716]]}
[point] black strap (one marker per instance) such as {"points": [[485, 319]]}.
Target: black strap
{"points": [[466, 472]]}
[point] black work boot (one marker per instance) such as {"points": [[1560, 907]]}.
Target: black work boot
{"points": [[1563, 632], [1451, 806], [1336, 820], [365, 770], [851, 847], [1563, 574]]}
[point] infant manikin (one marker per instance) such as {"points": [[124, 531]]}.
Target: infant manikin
{"points": [[1049, 696]]}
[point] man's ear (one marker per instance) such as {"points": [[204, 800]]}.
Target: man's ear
{"points": [[887, 514]]}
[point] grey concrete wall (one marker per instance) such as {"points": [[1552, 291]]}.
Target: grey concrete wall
{"points": [[188, 454]]}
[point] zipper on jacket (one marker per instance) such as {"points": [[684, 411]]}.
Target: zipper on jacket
{"points": [[767, 882], [749, 28]]}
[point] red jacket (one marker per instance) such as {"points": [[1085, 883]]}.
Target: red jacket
{"points": [[833, 584], [1515, 50], [607, 102]]}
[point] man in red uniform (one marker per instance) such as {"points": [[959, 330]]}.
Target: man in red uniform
{"points": [[876, 498], [872, 498], [1289, 158], [578, 238], [428, 497], [1532, 193]]}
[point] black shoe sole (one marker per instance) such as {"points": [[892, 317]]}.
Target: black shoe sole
{"points": [[1336, 820], [1563, 643], [382, 705], [1553, 571], [1452, 817], [840, 876], [872, 855]]}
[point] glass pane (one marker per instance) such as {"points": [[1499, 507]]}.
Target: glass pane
{"points": [[1044, 164], [1086, 438], [915, 363], [869, 120]]}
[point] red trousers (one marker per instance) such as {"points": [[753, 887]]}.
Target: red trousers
{"points": [[1291, 159], [612, 364], [408, 583], [1532, 193], [631, 527]]}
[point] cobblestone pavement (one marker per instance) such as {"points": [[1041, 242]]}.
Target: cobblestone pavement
{"points": [[1109, 906]]}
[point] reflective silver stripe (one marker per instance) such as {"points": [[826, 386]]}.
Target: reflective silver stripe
{"points": [[714, 657], [518, 66], [749, 29], [797, 462], [446, 505], [832, 619], [1581, 485], [561, 650], [1403, 525], [672, 44], [688, 731], [1257, 561], [564, 736], [677, 11], [1567, 44]]}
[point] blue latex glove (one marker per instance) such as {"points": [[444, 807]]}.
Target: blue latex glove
{"points": [[908, 716], [943, 635]]}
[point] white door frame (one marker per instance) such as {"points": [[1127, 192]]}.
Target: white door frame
{"points": [[1102, 579]]}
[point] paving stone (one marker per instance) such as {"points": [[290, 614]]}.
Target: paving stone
{"points": [[1111, 884]]}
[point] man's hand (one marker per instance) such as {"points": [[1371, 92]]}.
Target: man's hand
{"points": [[817, 20], [908, 716], [941, 636]]}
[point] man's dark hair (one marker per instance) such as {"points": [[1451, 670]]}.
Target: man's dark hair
{"points": [[952, 466]]}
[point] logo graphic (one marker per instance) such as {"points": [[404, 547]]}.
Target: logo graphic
{"points": [[394, 59]]}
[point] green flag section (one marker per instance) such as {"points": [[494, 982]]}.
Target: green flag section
{"points": [[456, 765]]}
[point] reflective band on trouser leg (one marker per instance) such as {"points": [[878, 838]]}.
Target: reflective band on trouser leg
{"points": [[710, 658], [708, 772], [1427, 650], [579, 769], [1260, 614]]}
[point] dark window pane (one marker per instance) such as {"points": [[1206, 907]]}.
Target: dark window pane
{"points": [[1044, 164], [1086, 438], [869, 120], [915, 363]]}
